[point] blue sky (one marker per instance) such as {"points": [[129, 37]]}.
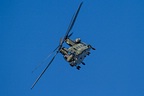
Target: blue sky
{"points": [[31, 29]]}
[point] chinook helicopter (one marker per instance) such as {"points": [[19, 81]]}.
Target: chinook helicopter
{"points": [[76, 52]]}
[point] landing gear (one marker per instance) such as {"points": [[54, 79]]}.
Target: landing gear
{"points": [[91, 47], [71, 64], [83, 63], [88, 53], [78, 67]]}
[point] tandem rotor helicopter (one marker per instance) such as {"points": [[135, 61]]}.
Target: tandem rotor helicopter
{"points": [[76, 52]]}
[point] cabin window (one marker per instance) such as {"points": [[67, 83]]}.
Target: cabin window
{"points": [[75, 48]]}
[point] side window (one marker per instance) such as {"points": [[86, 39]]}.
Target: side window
{"points": [[77, 47], [74, 48]]}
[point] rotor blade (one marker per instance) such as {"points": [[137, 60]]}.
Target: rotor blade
{"points": [[44, 70], [70, 35], [72, 22], [61, 40], [45, 59]]}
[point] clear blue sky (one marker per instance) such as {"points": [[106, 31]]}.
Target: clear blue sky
{"points": [[30, 29]]}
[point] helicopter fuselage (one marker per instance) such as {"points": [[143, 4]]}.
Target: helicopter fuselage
{"points": [[76, 53]]}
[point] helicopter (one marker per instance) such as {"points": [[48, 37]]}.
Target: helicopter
{"points": [[75, 54]]}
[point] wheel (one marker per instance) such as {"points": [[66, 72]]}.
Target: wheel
{"points": [[78, 67], [83, 63]]}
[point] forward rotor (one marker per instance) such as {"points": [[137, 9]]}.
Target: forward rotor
{"points": [[58, 48]]}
